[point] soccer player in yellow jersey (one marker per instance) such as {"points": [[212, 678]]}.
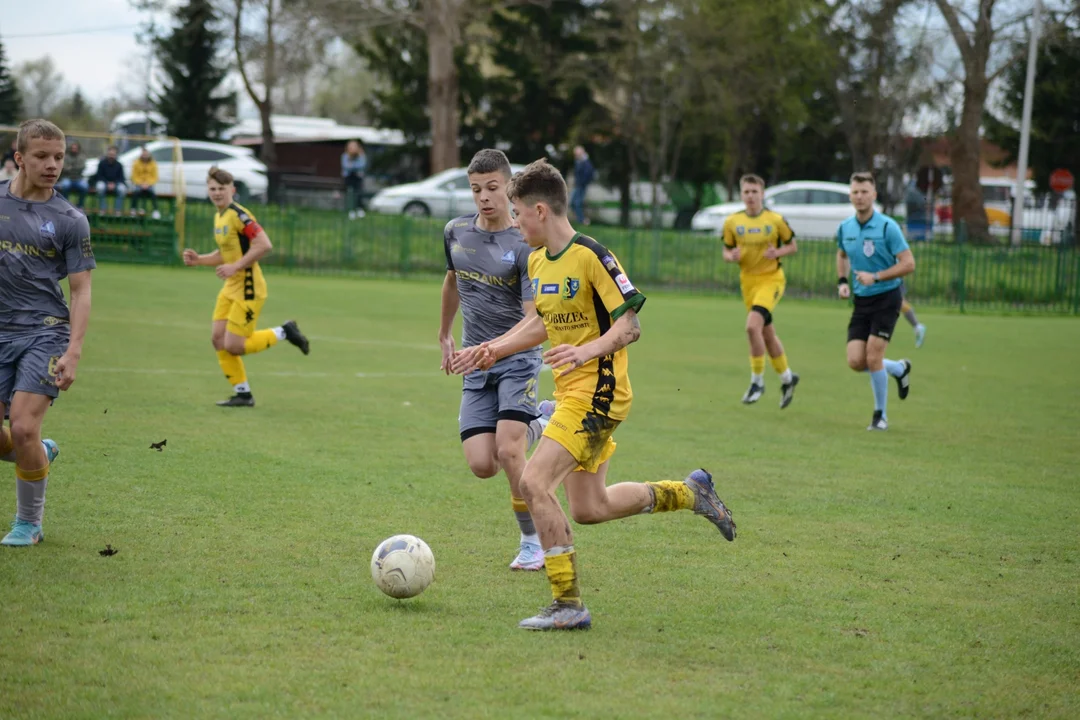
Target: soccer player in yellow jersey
{"points": [[587, 307], [241, 244], [757, 238]]}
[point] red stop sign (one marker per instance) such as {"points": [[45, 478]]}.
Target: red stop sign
{"points": [[1061, 180]]}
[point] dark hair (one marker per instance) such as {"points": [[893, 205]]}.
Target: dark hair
{"points": [[37, 128], [223, 177], [864, 176], [539, 182], [489, 161], [752, 179]]}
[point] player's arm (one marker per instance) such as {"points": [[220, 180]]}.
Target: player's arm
{"points": [[66, 366], [625, 330], [905, 261], [528, 333], [192, 258], [451, 301], [731, 249], [786, 236], [259, 248], [843, 272]]}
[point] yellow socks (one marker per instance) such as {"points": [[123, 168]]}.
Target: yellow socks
{"points": [[779, 363], [561, 565], [671, 495], [757, 364], [232, 366], [260, 340]]}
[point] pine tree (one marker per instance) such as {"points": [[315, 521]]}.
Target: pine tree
{"points": [[10, 100], [192, 73]]}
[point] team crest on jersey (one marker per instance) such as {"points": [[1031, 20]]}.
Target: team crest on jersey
{"points": [[740, 229], [508, 257], [768, 229], [868, 248], [536, 286], [48, 230], [570, 287]]}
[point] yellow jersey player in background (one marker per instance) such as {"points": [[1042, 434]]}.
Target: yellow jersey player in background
{"points": [[757, 238], [587, 307], [241, 244]]}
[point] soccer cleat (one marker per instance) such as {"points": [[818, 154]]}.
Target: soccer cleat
{"points": [[293, 335], [787, 391], [530, 557], [920, 335], [879, 422], [52, 450], [903, 383], [238, 400], [559, 616], [708, 504], [753, 394], [23, 534], [547, 409]]}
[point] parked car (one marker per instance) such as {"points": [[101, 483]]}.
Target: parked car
{"points": [[1046, 219], [443, 195], [198, 157], [813, 209]]}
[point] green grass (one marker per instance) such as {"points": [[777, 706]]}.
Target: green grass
{"points": [[932, 571]]}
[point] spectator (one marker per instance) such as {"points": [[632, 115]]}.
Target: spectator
{"points": [[144, 176], [9, 170], [71, 177], [10, 154], [353, 166], [583, 175], [109, 180]]}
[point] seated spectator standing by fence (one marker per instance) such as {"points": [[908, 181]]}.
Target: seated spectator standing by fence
{"points": [[9, 170], [353, 167], [109, 180], [144, 176], [71, 177]]}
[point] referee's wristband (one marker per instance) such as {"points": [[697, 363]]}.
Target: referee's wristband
{"points": [[842, 281]]}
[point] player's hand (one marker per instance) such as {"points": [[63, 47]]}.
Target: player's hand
{"points": [[845, 290], [733, 254], [191, 257], [65, 370], [865, 279], [447, 345], [477, 357], [564, 355], [227, 270], [772, 253]]}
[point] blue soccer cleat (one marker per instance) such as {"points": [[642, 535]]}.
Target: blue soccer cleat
{"points": [[708, 504], [23, 534], [530, 557], [51, 449], [547, 409], [559, 616]]}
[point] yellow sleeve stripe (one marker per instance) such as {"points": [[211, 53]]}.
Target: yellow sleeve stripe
{"points": [[634, 303]]}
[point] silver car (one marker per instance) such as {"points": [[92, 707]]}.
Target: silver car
{"points": [[443, 195]]}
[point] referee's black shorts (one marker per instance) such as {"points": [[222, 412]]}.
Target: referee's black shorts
{"points": [[875, 315]]}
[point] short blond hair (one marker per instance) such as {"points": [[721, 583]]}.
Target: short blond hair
{"points": [[36, 128], [752, 179], [863, 176], [222, 177], [539, 182]]}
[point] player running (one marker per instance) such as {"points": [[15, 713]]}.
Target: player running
{"points": [[872, 245], [241, 244], [44, 240], [757, 238], [487, 276], [588, 308]]}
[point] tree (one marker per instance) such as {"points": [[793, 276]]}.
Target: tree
{"points": [[40, 85], [342, 93], [10, 98], [263, 48], [975, 35], [192, 73]]}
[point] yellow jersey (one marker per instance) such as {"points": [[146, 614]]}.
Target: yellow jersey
{"points": [[752, 235], [579, 293], [234, 228]]}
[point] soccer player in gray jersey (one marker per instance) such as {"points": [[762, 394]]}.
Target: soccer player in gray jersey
{"points": [[43, 239], [487, 276]]}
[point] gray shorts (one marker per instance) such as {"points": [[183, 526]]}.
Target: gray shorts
{"points": [[28, 363], [505, 392]]}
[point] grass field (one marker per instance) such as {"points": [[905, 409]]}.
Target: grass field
{"points": [[931, 571]]}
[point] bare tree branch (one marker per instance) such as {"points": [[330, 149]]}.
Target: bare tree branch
{"points": [[960, 36], [241, 66]]}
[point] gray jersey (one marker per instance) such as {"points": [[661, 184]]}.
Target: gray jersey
{"points": [[40, 244], [492, 270]]}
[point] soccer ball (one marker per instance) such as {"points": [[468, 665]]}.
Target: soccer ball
{"points": [[402, 566]]}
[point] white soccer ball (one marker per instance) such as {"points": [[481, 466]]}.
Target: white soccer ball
{"points": [[402, 566]]}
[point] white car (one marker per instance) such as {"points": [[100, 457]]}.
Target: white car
{"points": [[198, 157], [813, 209], [443, 195]]}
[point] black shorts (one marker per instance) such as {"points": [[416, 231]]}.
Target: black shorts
{"points": [[875, 315]]}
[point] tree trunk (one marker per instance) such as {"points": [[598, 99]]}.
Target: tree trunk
{"points": [[443, 35], [967, 196], [269, 150]]}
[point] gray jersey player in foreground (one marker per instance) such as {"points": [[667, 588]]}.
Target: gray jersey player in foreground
{"points": [[487, 277], [43, 239]]}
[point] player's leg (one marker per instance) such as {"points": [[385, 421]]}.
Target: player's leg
{"points": [[882, 326], [755, 322], [766, 299], [231, 364], [246, 340]]}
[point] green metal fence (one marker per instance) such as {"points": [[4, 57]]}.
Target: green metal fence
{"points": [[1029, 278]]}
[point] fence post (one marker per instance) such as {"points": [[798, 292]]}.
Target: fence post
{"points": [[961, 265]]}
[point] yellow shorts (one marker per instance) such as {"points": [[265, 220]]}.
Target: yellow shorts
{"points": [[584, 433], [762, 290], [241, 315]]}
